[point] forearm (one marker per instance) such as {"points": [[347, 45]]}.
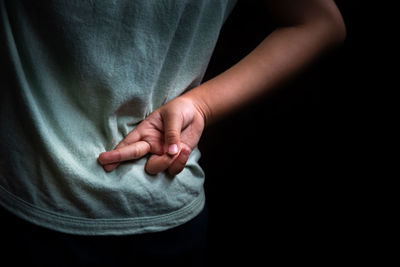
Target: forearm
{"points": [[173, 130], [283, 53]]}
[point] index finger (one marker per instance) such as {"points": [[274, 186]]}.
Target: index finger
{"points": [[132, 137], [127, 152]]}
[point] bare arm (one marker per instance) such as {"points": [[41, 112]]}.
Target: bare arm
{"points": [[170, 133], [309, 28]]}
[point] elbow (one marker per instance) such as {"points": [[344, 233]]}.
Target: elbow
{"points": [[328, 26], [334, 28], [337, 30]]}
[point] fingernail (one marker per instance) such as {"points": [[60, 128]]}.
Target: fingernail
{"points": [[173, 149]]}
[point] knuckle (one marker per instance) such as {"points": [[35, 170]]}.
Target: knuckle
{"points": [[117, 155], [123, 143], [171, 135], [170, 113], [135, 152]]}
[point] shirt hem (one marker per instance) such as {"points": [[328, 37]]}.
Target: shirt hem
{"points": [[87, 226]]}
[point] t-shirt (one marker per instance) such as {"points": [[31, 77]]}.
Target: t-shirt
{"points": [[77, 76]]}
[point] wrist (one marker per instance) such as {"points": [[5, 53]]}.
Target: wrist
{"points": [[199, 102]]}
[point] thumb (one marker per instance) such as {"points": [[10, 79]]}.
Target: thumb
{"points": [[172, 130]]}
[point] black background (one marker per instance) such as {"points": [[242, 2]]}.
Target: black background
{"points": [[276, 170]]}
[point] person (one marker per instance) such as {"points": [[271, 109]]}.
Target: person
{"points": [[101, 112]]}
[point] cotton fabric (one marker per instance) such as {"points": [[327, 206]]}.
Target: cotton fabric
{"points": [[77, 77]]}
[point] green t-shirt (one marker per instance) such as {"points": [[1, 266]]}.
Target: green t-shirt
{"points": [[77, 76]]}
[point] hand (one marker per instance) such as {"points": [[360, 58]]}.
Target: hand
{"points": [[170, 133]]}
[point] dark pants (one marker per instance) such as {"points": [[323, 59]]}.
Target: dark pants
{"points": [[31, 245]]}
